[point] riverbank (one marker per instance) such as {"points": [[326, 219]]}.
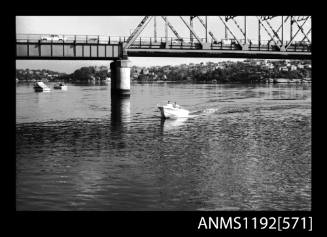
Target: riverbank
{"points": [[214, 81], [248, 71], [286, 80], [267, 81]]}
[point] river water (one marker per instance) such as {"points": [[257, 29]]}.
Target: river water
{"points": [[244, 147]]}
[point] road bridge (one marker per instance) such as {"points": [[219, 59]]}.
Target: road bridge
{"points": [[119, 48]]}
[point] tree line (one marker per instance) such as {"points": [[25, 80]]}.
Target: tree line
{"points": [[231, 72]]}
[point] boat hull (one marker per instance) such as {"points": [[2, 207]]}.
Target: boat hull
{"points": [[168, 112], [41, 87], [38, 89]]}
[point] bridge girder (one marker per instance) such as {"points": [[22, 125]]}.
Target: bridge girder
{"points": [[266, 18], [227, 18], [273, 28], [275, 33]]}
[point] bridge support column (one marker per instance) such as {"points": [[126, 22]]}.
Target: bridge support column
{"points": [[120, 77]]}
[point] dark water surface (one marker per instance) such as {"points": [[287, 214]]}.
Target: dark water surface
{"points": [[244, 147]]}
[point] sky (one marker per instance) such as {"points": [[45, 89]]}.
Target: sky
{"points": [[123, 26]]}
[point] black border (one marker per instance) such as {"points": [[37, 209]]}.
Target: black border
{"points": [[117, 222]]}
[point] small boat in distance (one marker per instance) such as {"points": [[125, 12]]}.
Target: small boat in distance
{"points": [[172, 111], [39, 86], [60, 86]]}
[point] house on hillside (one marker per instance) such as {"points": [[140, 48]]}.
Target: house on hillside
{"points": [[283, 69], [300, 66], [293, 68]]}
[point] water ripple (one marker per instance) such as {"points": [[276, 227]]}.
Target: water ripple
{"points": [[249, 153]]}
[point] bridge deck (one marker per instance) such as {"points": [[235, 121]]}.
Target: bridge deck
{"points": [[96, 48]]}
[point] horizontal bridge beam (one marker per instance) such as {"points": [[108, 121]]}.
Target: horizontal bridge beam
{"points": [[217, 54], [65, 50], [64, 58], [112, 52]]}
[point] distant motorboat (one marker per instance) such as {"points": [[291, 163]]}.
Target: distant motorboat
{"points": [[172, 111], [39, 86], [60, 86]]}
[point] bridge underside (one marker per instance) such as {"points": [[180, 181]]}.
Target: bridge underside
{"points": [[73, 51], [183, 54], [67, 51], [218, 54]]}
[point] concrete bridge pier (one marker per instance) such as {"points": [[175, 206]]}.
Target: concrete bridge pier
{"points": [[120, 78]]}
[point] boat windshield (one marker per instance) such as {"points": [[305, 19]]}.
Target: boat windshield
{"points": [[176, 106]]}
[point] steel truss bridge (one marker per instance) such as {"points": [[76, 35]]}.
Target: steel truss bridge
{"points": [[236, 43]]}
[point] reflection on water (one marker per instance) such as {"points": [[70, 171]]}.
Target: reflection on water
{"points": [[244, 147], [120, 111], [168, 124]]}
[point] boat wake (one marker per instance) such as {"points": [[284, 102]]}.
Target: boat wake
{"points": [[203, 112]]}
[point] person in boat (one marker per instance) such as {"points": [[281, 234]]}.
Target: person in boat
{"points": [[176, 105]]}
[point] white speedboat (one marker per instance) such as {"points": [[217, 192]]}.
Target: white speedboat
{"points": [[39, 86], [173, 111], [60, 86]]}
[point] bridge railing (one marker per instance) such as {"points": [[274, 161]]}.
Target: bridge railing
{"points": [[162, 42], [223, 44], [61, 38]]}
